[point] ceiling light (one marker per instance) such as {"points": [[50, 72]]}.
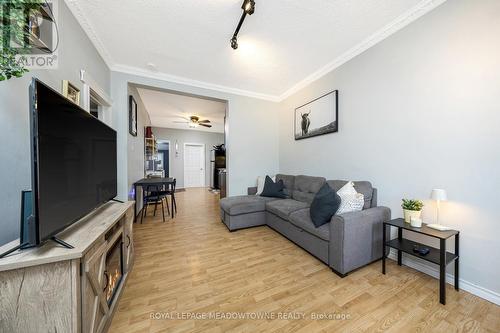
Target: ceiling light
{"points": [[234, 42], [248, 7]]}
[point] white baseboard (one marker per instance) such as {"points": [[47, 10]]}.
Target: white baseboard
{"points": [[420, 266]]}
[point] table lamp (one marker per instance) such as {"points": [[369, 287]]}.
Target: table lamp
{"points": [[438, 195]]}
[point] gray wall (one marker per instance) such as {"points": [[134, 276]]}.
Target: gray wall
{"points": [[135, 146], [252, 135], [75, 52], [187, 136], [420, 110]]}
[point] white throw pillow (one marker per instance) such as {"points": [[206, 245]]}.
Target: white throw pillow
{"points": [[260, 183], [350, 199]]}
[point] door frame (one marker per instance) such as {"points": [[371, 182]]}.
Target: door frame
{"points": [[169, 155], [204, 161]]}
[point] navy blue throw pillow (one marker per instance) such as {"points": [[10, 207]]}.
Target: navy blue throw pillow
{"points": [[325, 204], [272, 189]]}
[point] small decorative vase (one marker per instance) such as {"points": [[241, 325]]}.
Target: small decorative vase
{"points": [[408, 214]]}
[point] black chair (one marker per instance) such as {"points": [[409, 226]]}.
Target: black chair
{"points": [[170, 192], [153, 195]]}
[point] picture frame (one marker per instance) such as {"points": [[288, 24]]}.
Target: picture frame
{"points": [[317, 117], [132, 116], [71, 92]]}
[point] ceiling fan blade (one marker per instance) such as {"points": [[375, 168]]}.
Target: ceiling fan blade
{"points": [[205, 125], [203, 121]]}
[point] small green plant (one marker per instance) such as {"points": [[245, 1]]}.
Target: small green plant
{"points": [[410, 204]]}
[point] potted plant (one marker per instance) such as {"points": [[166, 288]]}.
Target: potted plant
{"points": [[412, 208]]}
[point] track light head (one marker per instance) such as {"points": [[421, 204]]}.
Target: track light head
{"points": [[248, 6], [234, 43]]}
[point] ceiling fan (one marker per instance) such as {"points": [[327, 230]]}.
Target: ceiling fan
{"points": [[194, 121]]}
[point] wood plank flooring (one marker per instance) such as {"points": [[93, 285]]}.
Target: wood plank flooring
{"points": [[193, 266]]}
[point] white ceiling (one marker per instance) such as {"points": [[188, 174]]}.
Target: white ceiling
{"points": [[166, 108], [283, 46]]}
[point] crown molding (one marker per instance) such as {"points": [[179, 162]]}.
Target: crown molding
{"points": [[399, 23], [190, 82], [89, 30]]}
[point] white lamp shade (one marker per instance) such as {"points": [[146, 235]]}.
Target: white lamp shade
{"points": [[438, 194]]}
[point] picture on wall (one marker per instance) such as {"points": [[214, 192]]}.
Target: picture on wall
{"points": [[132, 116], [71, 92], [317, 117]]}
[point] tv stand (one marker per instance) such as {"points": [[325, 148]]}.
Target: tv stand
{"points": [[14, 249], [63, 290], [61, 242], [116, 200]]}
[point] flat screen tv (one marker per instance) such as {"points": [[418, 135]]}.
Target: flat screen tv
{"points": [[74, 164]]}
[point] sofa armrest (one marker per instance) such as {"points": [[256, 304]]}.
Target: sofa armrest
{"points": [[252, 190], [356, 238]]}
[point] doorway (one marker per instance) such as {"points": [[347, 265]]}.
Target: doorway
{"points": [[164, 157], [194, 165]]}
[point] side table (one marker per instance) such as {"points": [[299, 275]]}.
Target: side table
{"points": [[437, 256]]}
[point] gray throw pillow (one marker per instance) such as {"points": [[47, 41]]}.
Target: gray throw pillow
{"points": [[272, 189], [325, 204]]}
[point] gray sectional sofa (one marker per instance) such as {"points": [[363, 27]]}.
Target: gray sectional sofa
{"points": [[349, 241]]}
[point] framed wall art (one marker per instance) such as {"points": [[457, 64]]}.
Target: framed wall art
{"points": [[317, 117]]}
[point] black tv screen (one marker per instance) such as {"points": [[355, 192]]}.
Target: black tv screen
{"points": [[74, 161]]}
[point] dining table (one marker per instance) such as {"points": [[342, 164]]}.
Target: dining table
{"points": [[144, 183]]}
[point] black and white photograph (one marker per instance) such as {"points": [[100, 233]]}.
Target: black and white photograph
{"points": [[132, 116], [317, 117]]}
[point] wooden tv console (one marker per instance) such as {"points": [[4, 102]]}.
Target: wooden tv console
{"points": [[54, 289]]}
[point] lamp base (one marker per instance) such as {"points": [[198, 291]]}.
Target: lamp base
{"points": [[439, 227]]}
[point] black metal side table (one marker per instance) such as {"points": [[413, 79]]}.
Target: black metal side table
{"points": [[437, 256]]}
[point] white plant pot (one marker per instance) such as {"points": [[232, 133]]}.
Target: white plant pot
{"points": [[408, 214]]}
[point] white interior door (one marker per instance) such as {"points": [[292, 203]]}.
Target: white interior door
{"points": [[194, 165]]}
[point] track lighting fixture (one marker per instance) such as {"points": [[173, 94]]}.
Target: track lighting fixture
{"points": [[234, 42], [248, 7]]}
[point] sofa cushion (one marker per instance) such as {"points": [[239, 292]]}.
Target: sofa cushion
{"points": [[244, 204], [302, 219], [273, 189], [289, 181], [260, 183], [285, 207], [325, 204], [362, 187], [306, 187]]}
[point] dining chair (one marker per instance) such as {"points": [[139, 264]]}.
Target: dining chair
{"points": [[153, 195], [171, 192]]}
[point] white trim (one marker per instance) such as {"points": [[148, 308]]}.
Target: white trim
{"points": [[190, 82], [204, 155], [78, 13], [474, 289], [399, 23], [103, 98], [92, 88], [402, 21]]}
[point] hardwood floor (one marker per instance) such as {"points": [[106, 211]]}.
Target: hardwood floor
{"points": [[192, 265]]}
